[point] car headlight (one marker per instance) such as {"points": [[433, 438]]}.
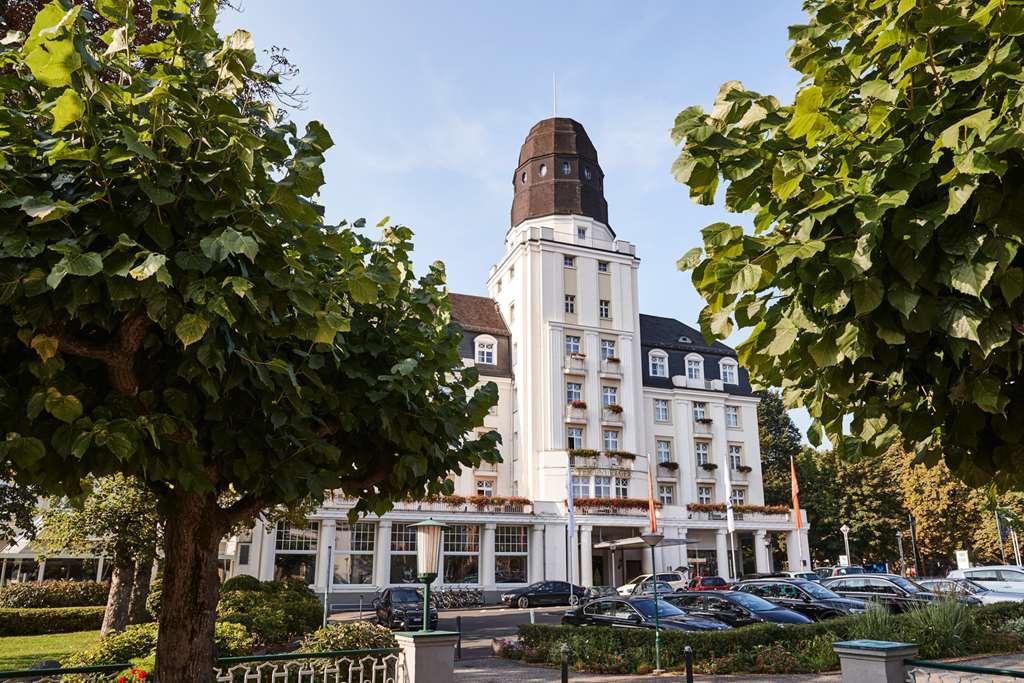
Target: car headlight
{"points": [[855, 610]]}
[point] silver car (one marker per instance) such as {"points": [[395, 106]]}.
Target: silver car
{"points": [[972, 591]]}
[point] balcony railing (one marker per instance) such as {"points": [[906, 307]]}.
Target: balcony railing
{"points": [[611, 416], [575, 363], [611, 368]]}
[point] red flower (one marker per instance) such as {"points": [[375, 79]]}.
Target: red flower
{"points": [[120, 679]]}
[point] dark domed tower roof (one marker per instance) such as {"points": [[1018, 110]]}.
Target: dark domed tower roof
{"points": [[558, 173]]}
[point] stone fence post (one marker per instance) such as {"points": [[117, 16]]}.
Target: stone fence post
{"points": [[429, 657], [873, 661]]}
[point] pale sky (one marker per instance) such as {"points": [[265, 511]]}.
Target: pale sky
{"points": [[429, 102]]}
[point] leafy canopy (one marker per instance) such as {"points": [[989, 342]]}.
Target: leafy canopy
{"points": [[172, 305], [882, 279]]}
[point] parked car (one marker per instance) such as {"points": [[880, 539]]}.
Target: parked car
{"points": [[707, 583], [805, 575], [806, 597], [544, 593], [969, 591], [402, 609], [735, 608], [895, 593], [638, 613], [594, 592], [1004, 577], [675, 579], [647, 588], [839, 570]]}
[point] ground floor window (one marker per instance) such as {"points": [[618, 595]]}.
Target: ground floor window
{"points": [[485, 487], [703, 562], [20, 569], [621, 487], [295, 556], [353, 553], [511, 554], [70, 568], [462, 553], [666, 494], [297, 567], [403, 553]]}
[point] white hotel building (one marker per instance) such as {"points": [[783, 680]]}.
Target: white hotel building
{"points": [[585, 381]]}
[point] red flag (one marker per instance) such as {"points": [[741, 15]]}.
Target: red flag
{"points": [[795, 489], [650, 496]]}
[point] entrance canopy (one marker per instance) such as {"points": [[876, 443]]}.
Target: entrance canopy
{"points": [[638, 542]]}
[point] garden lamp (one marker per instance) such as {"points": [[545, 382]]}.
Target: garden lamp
{"points": [[428, 555]]}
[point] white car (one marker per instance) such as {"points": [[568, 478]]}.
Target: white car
{"points": [[969, 590], [1005, 578], [675, 579]]}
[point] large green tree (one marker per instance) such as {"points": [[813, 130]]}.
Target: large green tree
{"points": [[173, 307], [780, 441], [882, 278]]}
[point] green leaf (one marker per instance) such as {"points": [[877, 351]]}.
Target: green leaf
{"points": [[987, 394], [149, 267], [25, 451], [363, 290], [785, 334], [960, 320], [746, 279], [158, 195], [86, 264], [53, 62], [191, 328], [46, 346], [785, 185], [878, 90], [64, 407], [114, 11], [690, 259], [971, 277], [68, 108], [404, 367], [867, 295], [132, 142], [788, 253], [1012, 283]]}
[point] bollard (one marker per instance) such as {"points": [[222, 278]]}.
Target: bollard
{"points": [[360, 606], [458, 643], [688, 656], [533, 620], [565, 662]]}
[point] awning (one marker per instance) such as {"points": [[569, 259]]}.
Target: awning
{"points": [[638, 542]]}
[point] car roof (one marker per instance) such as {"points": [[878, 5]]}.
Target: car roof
{"points": [[991, 566]]}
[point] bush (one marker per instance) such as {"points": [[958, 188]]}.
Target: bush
{"points": [[277, 613], [355, 635], [945, 629], [155, 598], [242, 582], [61, 593], [43, 620], [138, 642]]}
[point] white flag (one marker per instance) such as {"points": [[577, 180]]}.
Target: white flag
{"points": [[730, 521]]}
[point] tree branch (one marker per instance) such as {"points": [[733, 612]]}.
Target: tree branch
{"points": [[118, 354]]}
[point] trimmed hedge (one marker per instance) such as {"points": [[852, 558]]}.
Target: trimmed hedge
{"points": [[43, 620], [276, 613], [139, 641], [946, 630], [59, 593]]}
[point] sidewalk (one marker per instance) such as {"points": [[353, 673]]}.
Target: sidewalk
{"points": [[494, 668]]}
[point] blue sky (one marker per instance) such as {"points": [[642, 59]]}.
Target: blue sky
{"points": [[429, 102]]}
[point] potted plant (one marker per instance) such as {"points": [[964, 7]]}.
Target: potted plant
{"points": [[612, 359], [709, 466], [614, 408], [704, 420], [669, 465], [745, 469], [578, 355], [579, 405], [621, 455], [583, 453]]}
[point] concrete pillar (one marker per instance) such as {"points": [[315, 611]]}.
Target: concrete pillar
{"points": [[428, 657], [99, 569], [873, 661], [761, 552], [382, 556], [793, 550], [646, 565], [722, 552], [586, 556], [554, 552], [268, 544], [805, 549], [487, 554], [322, 582], [536, 553]]}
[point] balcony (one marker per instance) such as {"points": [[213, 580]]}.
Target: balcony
{"points": [[576, 412], [575, 364], [668, 469], [740, 473], [612, 506], [711, 512], [490, 467], [611, 415], [702, 426], [611, 368], [492, 504], [707, 471]]}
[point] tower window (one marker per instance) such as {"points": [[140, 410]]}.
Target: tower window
{"points": [[523, 177], [581, 232], [602, 266], [569, 261], [586, 172], [566, 168], [543, 170]]}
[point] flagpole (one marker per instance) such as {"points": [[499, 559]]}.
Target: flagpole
{"points": [[798, 523], [999, 533], [570, 526]]}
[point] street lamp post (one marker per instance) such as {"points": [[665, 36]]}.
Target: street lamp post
{"points": [[653, 539], [428, 554], [846, 541]]}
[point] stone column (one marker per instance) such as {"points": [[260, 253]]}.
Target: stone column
{"points": [[487, 555], [646, 563], [554, 552], [428, 657], [805, 550], [761, 552], [874, 661], [268, 547], [324, 546], [793, 541], [536, 553], [382, 556], [722, 552], [586, 555]]}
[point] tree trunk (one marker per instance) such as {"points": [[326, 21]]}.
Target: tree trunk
{"points": [[115, 618], [185, 650], [137, 613]]}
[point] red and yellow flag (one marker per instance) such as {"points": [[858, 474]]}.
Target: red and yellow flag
{"points": [[795, 490], [650, 496]]}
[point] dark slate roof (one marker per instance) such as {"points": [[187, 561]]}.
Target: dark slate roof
{"points": [[477, 314], [678, 340]]}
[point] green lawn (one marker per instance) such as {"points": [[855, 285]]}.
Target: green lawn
{"points": [[21, 652]]}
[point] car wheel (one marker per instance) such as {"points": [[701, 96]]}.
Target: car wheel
{"points": [[523, 602], [574, 600]]}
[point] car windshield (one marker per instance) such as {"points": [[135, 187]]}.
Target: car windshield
{"points": [[851, 570], [646, 607], [810, 576], [816, 590], [751, 602], [908, 585], [713, 581], [972, 587], [406, 595]]}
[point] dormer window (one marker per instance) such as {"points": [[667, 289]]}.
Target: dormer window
{"points": [[586, 172], [657, 363], [728, 371], [694, 367], [581, 232], [485, 346], [569, 261]]}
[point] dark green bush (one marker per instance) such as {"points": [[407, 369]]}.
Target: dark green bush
{"points": [[139, 641], [42, 620], [353, 635], [276, 614], [60, 593], [153, 600], [242, 582]]}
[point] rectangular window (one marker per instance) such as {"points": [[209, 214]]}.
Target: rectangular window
{"points": [[728, 373], [701, 448], [403, 553], [295, 556], [573, 392], [570, 303], [298, 539], [705, 494], [694, 368], [739, 496], [658, 365], [609, 396], [569, 261], [462, 553], [700, 411], [732, 416], [354, 547], [602, 487], [511, 314], [663, 449], [602, 266], [607, 349], [735, 456], [611, 439], [660, 410], [581, 232], [485, 487], [621, 487], [511, 272], [666, 494], [572, 344], [604, 309], [485, 353], [575, 437], [580, 487], [511, 554]]}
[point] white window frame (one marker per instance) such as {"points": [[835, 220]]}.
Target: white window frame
{"points": [[607, 349], [705, 494], [604, 309], [512, 540], [700, 410], [570, 303], [663, 450], [568, 261], [364, 544], [574, 437], [609, 395], [460, 540], [729, 372], [667, 494], [732, 417], [403, 545], [610, 439], [602, 486], [485, 487], [702, 451], [603, 267], [572, 344], [580, 486], [662, 410], [739, 495], [657, 363], [735, 456], [621, 487], [486, 349], [573, 391], [695, 367]]}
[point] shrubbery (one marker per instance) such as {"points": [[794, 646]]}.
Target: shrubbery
{"points": [[946, 629], [41, 620], [62, 593], [276, 613], [242, 582], [354, 635], [139, 641]]}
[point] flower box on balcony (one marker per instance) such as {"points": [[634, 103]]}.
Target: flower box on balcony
{"points": [[621, 455], [669, 465], [709, 466], [576, 355], [578, 405], [613, 408], [745, 469], [704, 420], [612, 359]]}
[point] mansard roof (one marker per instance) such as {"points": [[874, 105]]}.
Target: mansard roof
{"points": [[477, 314], [679, 340]]}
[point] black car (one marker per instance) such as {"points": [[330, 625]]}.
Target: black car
{"points": [[735, 608], [544, 593], [895, 593], [638, 613], [402, 609], [806, 597]]}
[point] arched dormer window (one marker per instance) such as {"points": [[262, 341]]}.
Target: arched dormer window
{"points": [[728, 371], [486, 347], [695, 366], [657, 363]]}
